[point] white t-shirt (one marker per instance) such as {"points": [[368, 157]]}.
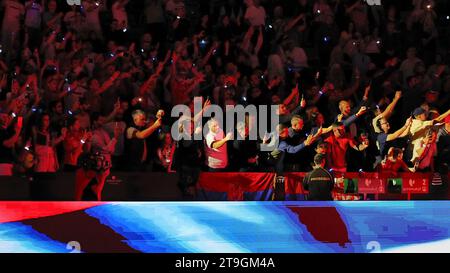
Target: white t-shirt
{"points": [[256, 16], [216, 158], [418, 132]]}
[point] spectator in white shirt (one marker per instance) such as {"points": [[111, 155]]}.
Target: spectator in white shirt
{"points": [[419, 129], [216, 148]]}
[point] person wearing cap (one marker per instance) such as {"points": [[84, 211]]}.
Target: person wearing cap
{"points": [[419, 128], [319, 182]]}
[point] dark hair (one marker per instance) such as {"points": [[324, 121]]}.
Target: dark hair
{"points": [[319, 158], [379, 124]]}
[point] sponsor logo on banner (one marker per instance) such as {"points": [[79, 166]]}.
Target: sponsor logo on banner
{"points": [[371, 185], [415, 185]]}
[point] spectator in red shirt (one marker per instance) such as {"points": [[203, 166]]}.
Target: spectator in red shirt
{"points": [[394, 162], [338, 144]]}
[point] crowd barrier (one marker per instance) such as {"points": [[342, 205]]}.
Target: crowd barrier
{"points": [[348, 186], [222, 187]]}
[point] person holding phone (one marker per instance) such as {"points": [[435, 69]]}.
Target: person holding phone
{"points": [[136, 135], [74, 143]]}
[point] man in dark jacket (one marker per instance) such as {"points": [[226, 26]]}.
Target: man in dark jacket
{"points": [[319, 182]]}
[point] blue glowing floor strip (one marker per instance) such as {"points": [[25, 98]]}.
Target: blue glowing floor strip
{"points": [[19, 238], [258, 227]]}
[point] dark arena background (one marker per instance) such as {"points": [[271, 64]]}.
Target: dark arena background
{"points": [[224, 126]]}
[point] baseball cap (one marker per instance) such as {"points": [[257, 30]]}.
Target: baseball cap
{"points": [[418, 111]]}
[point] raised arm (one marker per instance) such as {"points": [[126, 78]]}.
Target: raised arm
{"points": [[295, 92], [443, 116], [150, 130], [402, 132], [390, 109], [220, 143]]}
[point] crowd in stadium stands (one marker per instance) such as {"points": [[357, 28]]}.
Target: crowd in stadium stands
{"points": [[366, 86]]}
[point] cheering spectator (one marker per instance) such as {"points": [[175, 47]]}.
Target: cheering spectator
{"points": [[338, 143], [216, 147], [245, 151], [137, 135], [44, 142], [73, 144], [187, 159], [384, 137], [419, 129], [393, 163], [165, 152]]}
